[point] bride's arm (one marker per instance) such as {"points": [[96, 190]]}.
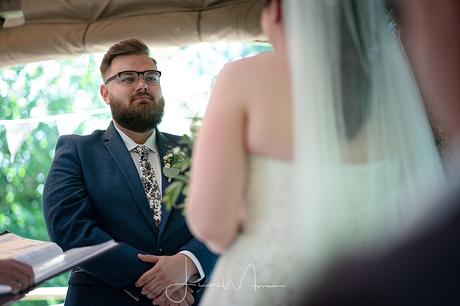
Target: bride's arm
{"points": [[213, 208]]}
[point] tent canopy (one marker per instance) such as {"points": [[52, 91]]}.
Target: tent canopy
{"points": [[57, 28]]}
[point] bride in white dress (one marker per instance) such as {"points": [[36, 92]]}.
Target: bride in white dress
{"points": [[309, 152]]}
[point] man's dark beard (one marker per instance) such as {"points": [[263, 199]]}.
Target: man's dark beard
{"points": [[138, 117]]}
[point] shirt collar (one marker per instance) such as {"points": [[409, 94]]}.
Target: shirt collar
{"points": [[131, 144]]}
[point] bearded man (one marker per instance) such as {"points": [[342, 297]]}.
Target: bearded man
{"points": [[109, 185]]}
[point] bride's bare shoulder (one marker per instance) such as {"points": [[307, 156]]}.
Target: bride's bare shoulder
{"points": [[251, 61], [255, 59], [250, 66]]}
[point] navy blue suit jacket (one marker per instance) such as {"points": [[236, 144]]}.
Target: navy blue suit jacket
{"points": [[93, 193]]}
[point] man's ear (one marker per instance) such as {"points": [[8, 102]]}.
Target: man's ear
{"points": [[278, 11], [104, 93]]}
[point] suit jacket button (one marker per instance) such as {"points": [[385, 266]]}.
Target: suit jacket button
{"points": [[161, 249]]}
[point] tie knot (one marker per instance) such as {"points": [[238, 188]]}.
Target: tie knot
{"points": [[143, 152]]}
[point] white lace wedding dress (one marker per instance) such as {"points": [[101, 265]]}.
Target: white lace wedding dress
{"points": [[255, 269], [262, 266]]}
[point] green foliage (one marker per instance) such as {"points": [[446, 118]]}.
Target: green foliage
{"points": [[179, 159], [180, 180], [39, 303], [25, 92]]}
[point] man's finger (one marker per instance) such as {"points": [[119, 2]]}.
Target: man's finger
{"points": [[155, 296], [155, 288], [183, 303], [29, 274], [163, 299], [172, 288], [159, 285], [159, 297], [15, 287], [169, 295], [179, 296], [148, 258], [190, 299], [145, 278], [23, 279], [24, 269]]}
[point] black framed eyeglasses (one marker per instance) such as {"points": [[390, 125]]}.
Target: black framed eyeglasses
{"points": [[130, 77]]}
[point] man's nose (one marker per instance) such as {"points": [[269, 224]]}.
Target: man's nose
{"points": [[141, 84]]}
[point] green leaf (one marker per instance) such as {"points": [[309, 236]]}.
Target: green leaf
{"points": [[182, 178], [171, 172], [172, 194]]}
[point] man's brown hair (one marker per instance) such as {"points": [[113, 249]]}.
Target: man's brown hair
{"points": [[128, 46]]}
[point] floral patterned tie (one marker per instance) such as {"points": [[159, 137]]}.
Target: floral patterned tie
{"points": [[151, 188]]}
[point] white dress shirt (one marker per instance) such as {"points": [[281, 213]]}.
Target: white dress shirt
{"points": [[154, 160]]}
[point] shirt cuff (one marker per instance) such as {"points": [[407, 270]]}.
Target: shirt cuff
{"points": [[194, 278]]}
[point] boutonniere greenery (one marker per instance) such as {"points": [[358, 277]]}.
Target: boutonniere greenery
{"points": [[175, 162], [177, 169]]}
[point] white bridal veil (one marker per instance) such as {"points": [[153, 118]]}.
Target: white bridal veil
{"points": [[364, 150]]}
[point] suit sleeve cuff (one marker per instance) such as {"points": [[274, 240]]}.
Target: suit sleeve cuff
{"points": [[194, 278]]}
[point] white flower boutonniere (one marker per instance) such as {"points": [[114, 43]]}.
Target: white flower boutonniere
{"points": [[177, 169], [174, 163]]}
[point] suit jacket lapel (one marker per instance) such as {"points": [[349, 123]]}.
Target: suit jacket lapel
{"points": [[164, 146], [120, 154]]}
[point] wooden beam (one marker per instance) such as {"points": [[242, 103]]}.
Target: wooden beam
{"points": [[11, 13]]}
